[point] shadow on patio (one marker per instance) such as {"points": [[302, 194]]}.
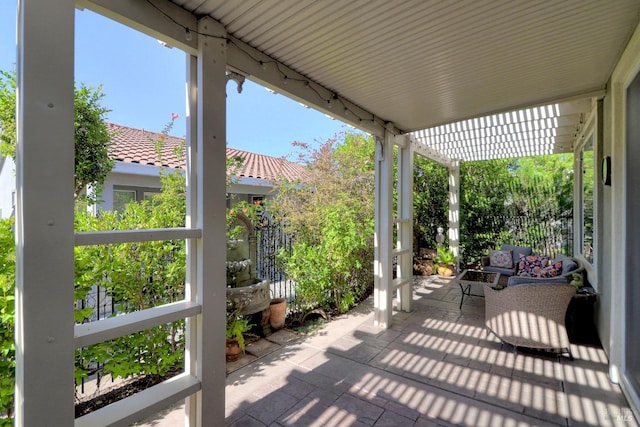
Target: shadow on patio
{"points": [[434, 366]]}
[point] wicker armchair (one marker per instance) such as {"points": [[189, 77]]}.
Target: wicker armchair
{"points": [[530, 315]]}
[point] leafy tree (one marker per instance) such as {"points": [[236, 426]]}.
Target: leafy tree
{"points": [[7, 312], [483, 205], [92, 139], [331, 219], [7, 113], [430, 200], [522, 201]]}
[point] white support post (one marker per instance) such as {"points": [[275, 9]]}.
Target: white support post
{"points": [[209, 157], [383, 295], [193, 402], [405, 225], [454, 210], [44, 217]]}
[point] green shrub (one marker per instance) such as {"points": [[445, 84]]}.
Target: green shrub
{"points": [[7, 312], [331, 219]]}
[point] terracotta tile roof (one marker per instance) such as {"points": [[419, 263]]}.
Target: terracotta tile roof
{"points": [[267, 167], [131, 145]]}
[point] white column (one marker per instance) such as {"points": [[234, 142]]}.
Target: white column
{"points": [[209, 160], [454, 210], [405, 224], [193, 402], [383, 274], [44, 214]]}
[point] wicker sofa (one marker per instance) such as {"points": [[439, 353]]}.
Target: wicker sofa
{"points": [[512, 276], [530, 315]]}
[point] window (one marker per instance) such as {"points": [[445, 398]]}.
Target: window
{"points": [[122, 196], [587, 201]]}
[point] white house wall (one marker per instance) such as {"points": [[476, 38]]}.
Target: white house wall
{"points": [[612, 267], [146, 176], [126, 180], [7, 187]]}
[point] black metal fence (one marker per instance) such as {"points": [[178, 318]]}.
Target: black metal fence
{"points": [[550, 236], [271, 240]]}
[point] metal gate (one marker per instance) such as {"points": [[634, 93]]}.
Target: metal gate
{"points": [[270, 240]]}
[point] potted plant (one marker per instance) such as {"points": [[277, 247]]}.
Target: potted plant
{"points": [[445, 259], [237, 325], [576, 280]]}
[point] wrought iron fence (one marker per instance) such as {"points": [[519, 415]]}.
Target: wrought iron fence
{"points": [[546, 235], [271, 239]]}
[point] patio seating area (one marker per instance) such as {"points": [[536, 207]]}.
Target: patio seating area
{"points": [[435, 366]]}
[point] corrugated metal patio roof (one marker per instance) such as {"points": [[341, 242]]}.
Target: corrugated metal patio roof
{"points": [[423, 64]]}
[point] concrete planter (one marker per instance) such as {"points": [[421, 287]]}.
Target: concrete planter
{"points": [[253, 298]]}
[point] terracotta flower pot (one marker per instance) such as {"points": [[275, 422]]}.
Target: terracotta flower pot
{"points": [[278, 308], [445, 270], [233, 350]]}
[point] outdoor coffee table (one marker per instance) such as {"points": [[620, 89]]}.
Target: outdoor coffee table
{"points": [[469, 278]]}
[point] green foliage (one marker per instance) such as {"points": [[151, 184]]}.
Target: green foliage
{"points": [[7, 312], [518, 201], [430, 201], [138, 276], [237, 325], [92, 139], [484, 205], [7, 114], [444, 256], [576, 280], [331, 219]]}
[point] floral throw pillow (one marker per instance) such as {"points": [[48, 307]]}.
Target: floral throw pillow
{"points": [[552, 270], [502, 259], [532, 265]]}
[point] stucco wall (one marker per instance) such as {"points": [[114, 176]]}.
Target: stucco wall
{"points": [[7, 186]]}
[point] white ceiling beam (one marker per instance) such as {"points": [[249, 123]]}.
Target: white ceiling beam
{"points": [[159, 19], [166, 21], [254, 64], [429, 152]]}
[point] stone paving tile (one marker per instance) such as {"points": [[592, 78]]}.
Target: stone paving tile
{"points": [[309, 409], [283, 336], [302, 353], [424, 422], [435, 366], [363, 411], [244, 360], [246, 421], [297, 387], [402, 410], [261, 348], [271, 407], [391, 419], [332, 385], [362, 353]]}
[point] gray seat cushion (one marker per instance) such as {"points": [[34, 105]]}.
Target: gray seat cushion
{"points": [[516, 252], [568, 264]]}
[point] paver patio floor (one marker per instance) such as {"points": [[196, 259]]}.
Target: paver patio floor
{"points": [[435, 366]]}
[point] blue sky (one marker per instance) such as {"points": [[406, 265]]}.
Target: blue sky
{"points": [[144, 82]]}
